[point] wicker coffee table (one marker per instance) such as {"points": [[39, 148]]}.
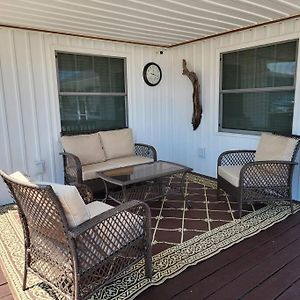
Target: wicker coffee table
{"points": [[143, 182]]}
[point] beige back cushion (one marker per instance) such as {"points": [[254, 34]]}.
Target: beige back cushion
{"points": [[117, 143], [73, 205], [275, 147], [19, 177], [87, 147], [90, 171]]}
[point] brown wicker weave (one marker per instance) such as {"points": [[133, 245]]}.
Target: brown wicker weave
{"points": [[73, 168], [77, 261], [277, 177]]}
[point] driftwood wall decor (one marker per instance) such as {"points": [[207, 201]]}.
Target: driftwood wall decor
{"points": [[197, 112]]}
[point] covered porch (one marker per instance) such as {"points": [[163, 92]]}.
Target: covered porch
{"points": [[81, 66]]}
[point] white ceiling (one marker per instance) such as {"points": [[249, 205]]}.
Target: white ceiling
{"points": [[158, 22]]}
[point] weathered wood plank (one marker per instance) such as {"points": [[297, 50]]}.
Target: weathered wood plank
{"points": [[266, 267], [292, 292], [4, 290], [277, 283], [9, 297], [2, 277]]}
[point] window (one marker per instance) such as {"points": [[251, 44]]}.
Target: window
{"points": [[92, 92], [257, 89]]}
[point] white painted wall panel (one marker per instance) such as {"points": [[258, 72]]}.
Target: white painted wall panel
{"points": [[29, 108], [203, 58], [30, 122]]}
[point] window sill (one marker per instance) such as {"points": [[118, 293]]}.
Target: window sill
{"points": [[238, 135]]}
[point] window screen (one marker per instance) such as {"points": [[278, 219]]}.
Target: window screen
{"points": [[258, 88], [92, 92]]}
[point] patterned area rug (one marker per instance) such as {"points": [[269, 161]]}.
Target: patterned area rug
{"points": [[173, 223], [181, 238]]}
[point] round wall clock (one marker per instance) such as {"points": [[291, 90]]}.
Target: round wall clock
{"points": [[152, 74]]}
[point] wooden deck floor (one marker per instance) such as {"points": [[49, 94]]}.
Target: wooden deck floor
{"points": [[266, 266], [5, 293]]}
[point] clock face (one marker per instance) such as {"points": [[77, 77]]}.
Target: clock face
{"points": [[152, 74]]}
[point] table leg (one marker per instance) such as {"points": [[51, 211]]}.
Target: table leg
{"points": [[161, 188], [106, 191], [125, 196], [182, 190]]}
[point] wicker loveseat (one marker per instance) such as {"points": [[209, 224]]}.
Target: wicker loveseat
{"points": [[85, 155], [75, 244], [263, 175]]}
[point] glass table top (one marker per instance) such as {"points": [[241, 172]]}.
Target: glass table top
{"points": [[138, 173]]}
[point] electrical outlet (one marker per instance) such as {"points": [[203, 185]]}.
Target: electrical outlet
{"points": [[201, 152], [39, 167]]}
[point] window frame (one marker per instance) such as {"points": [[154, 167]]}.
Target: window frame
{"points": [[264, 89], [124, 94]]}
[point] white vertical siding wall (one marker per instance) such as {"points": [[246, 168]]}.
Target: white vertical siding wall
{"points": [[203, 58], [29, 110]]}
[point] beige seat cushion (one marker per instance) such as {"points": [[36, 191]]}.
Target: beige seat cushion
{"points": [[230, 174], [264, 175], [275, 147], [73, 205], [96, 208], [87, 147], [112, 235], [89, 172], [117, 143]]}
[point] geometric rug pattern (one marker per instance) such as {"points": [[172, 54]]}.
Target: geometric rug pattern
{"points": [[181, 238], [173, 223]]}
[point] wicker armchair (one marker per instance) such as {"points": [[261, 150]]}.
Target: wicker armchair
{"points": [[73, 167], [77, 261], [249, 180]]}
